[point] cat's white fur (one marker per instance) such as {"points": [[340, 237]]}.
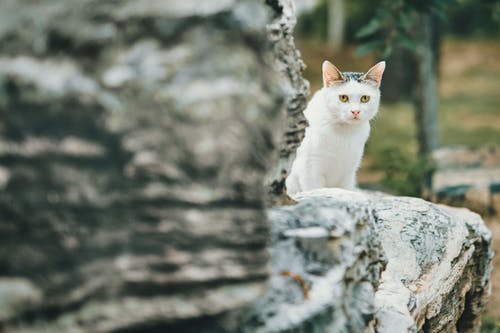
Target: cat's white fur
{"points": [[331, 151]]}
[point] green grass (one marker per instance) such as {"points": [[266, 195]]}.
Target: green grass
{"points": [[394, 126], [490, 325], [474, 138]]}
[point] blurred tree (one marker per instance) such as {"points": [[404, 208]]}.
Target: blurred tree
{"points": [[336, 24], [468, 18], [412, 25], [313, 23], [474, 18], [398, 76], [425, 98]]}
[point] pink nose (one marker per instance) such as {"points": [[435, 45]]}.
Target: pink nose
{"points": [[355, 113]]}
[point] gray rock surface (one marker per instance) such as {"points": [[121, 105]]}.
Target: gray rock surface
{"points": [[334, 248], [375, 263], [135, 136], [467, 177], [295, 88]]}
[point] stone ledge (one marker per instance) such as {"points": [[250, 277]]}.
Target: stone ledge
{"points": [[380, 263]]}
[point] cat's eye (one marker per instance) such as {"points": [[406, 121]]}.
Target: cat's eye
{"points": [[343, 98], [365, 99]]}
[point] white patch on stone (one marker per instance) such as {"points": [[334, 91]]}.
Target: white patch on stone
{"points": [[54, 78], [4, 177], [312, 232]]}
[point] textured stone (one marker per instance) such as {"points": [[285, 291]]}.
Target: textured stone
{"points": [[334, 248], [134, 142], [296, 90], [466, 177], [375, 263]]}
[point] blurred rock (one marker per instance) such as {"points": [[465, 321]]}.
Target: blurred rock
{"points": [[4, 177], [467, 177], [17, 294], [135, 137], [374, 263]]}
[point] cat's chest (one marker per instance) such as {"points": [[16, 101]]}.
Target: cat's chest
{"points": [[345, 145]]}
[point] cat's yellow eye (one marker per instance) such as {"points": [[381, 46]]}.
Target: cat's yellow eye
{"points": [[343, 98], [365, 99]]}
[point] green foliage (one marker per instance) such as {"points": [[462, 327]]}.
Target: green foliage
{"points": [[369, 29], [368, 47], [490, 325], [474, 17], [405, 174], [367, 20], [358, 14], [313, 25], [394, 22]]}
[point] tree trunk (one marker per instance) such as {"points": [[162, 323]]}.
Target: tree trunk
{"points": [[399, 76], [426, 98], [336, 24]]}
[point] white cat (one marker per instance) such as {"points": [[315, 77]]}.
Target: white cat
{"points": [[338, 116]]}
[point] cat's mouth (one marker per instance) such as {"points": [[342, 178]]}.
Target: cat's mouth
{"points": [[352, 120]]}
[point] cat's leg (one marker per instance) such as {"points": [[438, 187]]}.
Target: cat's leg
{"points": [[292, 184], [350, 182], [312, 179]]}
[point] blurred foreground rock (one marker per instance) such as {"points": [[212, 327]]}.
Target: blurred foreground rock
{"points": [[374, 263], [467, 177], [135, 136]]}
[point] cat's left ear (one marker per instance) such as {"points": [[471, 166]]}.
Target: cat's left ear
{"points": [[375, 73]]}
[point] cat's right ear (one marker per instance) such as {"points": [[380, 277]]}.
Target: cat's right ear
{"points": [[331, 74]]}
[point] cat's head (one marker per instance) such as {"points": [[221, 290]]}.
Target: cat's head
{"points": [[352, 98]]}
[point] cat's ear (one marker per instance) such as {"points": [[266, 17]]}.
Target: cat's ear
{"points": [[331, 74], [375, 73]]}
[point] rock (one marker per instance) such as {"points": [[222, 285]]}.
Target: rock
{"points": [[439, 263], [334, 248], [374, 263], [15, 295], [296, 90], [134, 144], [467, 177]]}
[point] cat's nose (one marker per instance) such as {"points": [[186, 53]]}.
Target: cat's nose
{"points": [[355, 113]]}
